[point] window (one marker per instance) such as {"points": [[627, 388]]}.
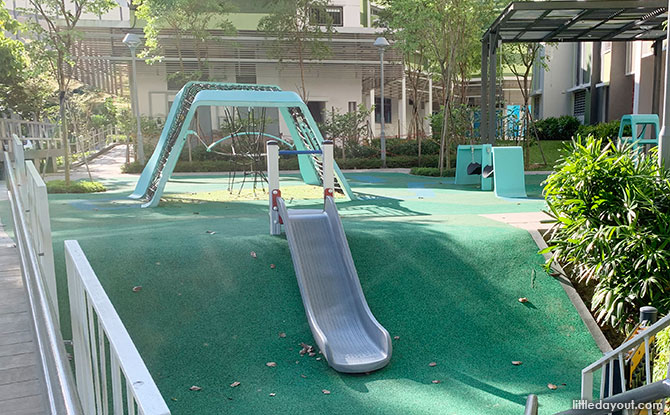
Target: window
{"points": [[579, 104], [387, 110], [352, 106], [331, 14], [583, 61], [317, 108], [629, 58], [245, 73]]}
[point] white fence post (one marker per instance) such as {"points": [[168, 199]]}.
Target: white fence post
{"points": [[19, 160], [36, 204]]}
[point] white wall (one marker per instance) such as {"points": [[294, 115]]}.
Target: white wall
{"points": [[331, 84], [151, 79], [351, 10], [557, 79], [116, 13]]}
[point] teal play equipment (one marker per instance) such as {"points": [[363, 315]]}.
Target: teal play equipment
{"points": [[509, 177], [301, 125], [470, 161], [493, 168], [639, 120]]}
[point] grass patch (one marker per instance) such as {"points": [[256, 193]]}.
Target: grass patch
{"points": [[432, 171], [81, 186]]}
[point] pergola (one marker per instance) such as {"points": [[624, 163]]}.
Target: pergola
{"points": [[567, 21]]}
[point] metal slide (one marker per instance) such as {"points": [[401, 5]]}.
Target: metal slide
{"points": [[342, 324]]}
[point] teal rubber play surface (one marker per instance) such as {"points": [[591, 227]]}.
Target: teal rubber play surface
{"points": [[443, 280]]}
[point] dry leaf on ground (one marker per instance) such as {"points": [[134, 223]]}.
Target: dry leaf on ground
{"points": [[195, 388], [235, 384]]}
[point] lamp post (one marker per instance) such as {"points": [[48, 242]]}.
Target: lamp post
{"points": [[133, 41], [382, 44]]}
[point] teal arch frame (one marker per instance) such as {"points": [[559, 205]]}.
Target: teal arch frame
{"points": [[209, 147], [283, 100]]}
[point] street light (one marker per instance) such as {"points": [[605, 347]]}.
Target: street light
{"points": [[382, 44], [133, 41]]}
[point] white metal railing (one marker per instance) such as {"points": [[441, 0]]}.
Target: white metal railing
{"points": [[96, 326], [61, 397], [617, 357], [98, 333], [644, 394]]}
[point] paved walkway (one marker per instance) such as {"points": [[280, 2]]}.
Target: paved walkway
{"points": [[106, 165], [21, 390]]}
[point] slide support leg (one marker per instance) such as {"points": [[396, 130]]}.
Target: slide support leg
{"points": [[328, 175], [273, 184]]}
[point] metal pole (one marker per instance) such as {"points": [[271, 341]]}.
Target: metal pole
{"points": [[664, 142], [484, 114], [381, 109], [136, 104], [272, 155], [492, 89], [328, 176]]}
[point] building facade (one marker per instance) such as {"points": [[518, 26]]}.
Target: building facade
{"points": [[348, 77]]}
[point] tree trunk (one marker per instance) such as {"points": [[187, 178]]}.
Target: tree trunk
{"points": [[64, 136]]}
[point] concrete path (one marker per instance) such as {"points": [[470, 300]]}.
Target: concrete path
{"points": [[21, 388], [105, 165]]}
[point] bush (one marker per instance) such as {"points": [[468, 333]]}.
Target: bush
{"points": [[553, 128], [612, 208], [432, 171], [604, 130], [81, 186], [291, 163]]}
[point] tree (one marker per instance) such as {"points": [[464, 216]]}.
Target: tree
{"points": [[442, 30], [520, 58], [302, 28], [348, 127], [54, 34], [188, 20]]}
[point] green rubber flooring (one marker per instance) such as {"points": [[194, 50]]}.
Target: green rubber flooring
{"points": [[437, 275]]}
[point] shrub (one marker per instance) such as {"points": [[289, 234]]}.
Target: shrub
{"points": [[432, 171], [291, 163], [557, 128], [604, 130], [81, 186], [612, 208]]}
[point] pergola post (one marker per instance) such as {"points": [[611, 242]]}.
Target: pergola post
{"points": [[656, 85], [484, 117], [664, 142], [493, 56], [595, 80]]}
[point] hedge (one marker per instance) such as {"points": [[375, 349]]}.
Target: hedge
{"points": [[81, 186]]}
